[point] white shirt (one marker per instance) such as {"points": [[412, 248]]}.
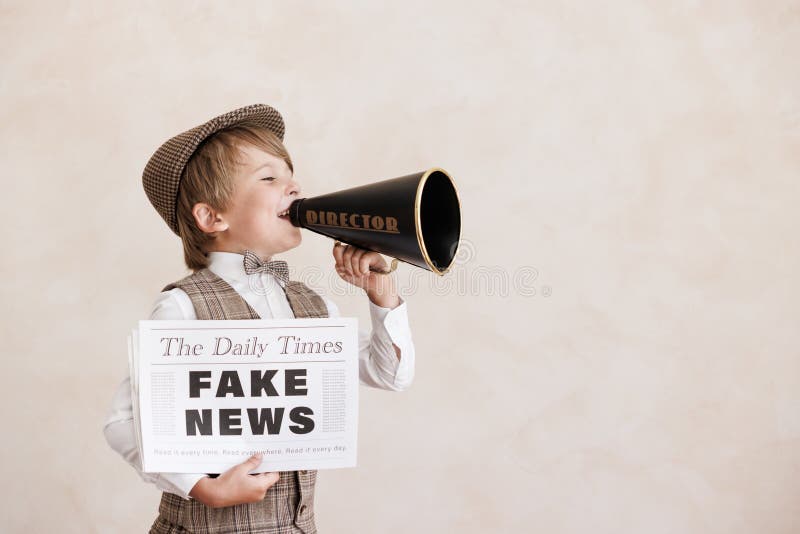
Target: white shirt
{"points": [[378, 363]]}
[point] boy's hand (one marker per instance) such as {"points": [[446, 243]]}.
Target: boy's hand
{"points": [[235, 486], [352, 265]]}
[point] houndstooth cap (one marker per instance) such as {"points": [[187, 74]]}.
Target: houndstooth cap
{"points": [[162, 175]]}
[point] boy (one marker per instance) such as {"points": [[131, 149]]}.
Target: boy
{"points": [[224, 187]]}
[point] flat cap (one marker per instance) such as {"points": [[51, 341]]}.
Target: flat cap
{"points": [[162, 175]]}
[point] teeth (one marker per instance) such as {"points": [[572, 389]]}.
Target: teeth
{"points": [[283, 213]]}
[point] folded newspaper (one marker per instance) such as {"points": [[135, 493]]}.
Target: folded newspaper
{"points": [[209, 394]]}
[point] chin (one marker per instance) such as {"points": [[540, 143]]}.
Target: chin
{"points": [[293, 242]]}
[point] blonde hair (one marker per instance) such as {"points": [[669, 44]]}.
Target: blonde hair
{"points": [[209, 178]]}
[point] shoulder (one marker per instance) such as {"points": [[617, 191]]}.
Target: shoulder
{"points": [[191, 280], [173, 304], [333, 309]]}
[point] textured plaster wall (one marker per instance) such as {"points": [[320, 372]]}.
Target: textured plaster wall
{"points": [[629, 170]]}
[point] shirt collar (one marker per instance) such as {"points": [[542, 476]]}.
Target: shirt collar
{"points": [[227, 265]]}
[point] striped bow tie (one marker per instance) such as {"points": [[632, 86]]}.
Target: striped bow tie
{"points": [[253, 264]]}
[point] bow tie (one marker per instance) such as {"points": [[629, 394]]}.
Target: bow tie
{"points": [[253, 264]]}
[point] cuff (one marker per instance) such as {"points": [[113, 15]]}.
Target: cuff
{"points": [[394, 321], [180, 483], [391, 325]]}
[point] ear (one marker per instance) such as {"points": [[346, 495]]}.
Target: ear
{"points": [[208, 219]]}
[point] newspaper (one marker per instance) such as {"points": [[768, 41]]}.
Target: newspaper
{"points": [[208, 394]]}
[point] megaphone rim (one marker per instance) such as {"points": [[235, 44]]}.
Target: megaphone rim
{"points": [[418, 220]]}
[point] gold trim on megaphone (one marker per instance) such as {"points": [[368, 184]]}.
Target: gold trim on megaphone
{"points": [[418, 218]]}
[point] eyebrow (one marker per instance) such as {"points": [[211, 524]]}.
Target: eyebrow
{"points": [[265, 165], [260, 167]]}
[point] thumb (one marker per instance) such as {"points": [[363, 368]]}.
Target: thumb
{"points": [[270, 477], [252, 462]]}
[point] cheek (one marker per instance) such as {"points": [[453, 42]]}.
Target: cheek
{"points": [[258, 208]]}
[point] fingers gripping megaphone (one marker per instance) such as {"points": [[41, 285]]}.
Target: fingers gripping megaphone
{"points": [[415, 218]]}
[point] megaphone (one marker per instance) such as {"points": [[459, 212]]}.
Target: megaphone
{"points": [[415, 218]]}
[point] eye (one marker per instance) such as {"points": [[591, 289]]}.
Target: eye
{"points": [[269, 178]]}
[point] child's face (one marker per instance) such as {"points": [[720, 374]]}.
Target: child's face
{"points": [[263, 188]]}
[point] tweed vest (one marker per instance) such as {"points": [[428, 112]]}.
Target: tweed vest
{"points": [[288, 507]]}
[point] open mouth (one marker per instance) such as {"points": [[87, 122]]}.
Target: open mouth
{"points": [[284, 214]]}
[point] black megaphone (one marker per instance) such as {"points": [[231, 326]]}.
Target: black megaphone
{"points": [[414, 218]]}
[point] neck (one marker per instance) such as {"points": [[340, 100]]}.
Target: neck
{"points": [[265, 256]]}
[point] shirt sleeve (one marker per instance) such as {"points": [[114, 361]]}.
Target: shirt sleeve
{"points": [[378, 364], [119, 428]]}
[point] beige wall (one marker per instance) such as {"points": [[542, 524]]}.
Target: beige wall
{"points": [[643, 158]]}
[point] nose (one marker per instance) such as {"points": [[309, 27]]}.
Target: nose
{"points": [[293, 188]]}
